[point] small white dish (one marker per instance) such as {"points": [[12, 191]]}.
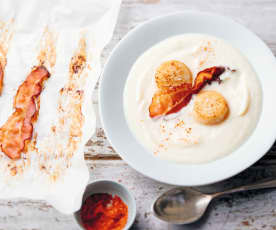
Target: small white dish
{"points": [[145, 36], [113, 188]]}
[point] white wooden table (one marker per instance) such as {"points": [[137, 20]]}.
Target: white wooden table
{"points": [[251, 210]]}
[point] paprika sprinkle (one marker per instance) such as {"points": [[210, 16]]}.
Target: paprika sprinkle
{"points": [[103, 211]]}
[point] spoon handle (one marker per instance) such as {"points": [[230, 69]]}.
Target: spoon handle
{"points": [[268, 183]]}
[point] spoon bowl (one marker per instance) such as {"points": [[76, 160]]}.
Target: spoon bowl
{"points": [[181, 205]]}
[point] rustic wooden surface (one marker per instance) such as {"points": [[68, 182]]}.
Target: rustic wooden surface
{"points": [[251, 210]]}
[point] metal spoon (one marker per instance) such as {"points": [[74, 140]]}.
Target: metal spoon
{"points": [[187, 205]]}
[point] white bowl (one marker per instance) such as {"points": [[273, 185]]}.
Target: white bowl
{"points": [[148, 34], [113, 188]]}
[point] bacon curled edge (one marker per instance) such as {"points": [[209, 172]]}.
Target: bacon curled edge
{"points": [[19, 126], [171, 101]]}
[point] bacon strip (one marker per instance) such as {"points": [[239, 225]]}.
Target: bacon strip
{"points": [[167, 102], [207, 76], [19, 126]]}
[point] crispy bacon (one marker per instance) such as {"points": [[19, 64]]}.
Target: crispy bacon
{"points": [[167, 102], [163, 102], [1, 78], [19, 126], [207, 76]]}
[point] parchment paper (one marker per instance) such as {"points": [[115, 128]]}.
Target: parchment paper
{"points": [[53, 167]]}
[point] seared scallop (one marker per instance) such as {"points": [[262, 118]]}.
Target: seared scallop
{"points": [[210, 108], [172, 74]]}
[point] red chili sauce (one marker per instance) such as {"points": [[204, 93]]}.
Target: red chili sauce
{"points": [[104, 212]]}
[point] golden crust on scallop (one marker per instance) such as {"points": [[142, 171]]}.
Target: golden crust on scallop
{"points": [[210, 108], [172, 74]]}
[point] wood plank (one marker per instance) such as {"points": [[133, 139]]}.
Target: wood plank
{"points": [[240, 211]]}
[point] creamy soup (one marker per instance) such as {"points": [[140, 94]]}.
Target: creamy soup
{"points": [[179, 137]]}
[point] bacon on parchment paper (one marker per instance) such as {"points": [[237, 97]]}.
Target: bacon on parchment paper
{"points": [[19, 126]]}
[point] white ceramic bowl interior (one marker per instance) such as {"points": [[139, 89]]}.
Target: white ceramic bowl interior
{"points": [[113, 188], [142, 38]]}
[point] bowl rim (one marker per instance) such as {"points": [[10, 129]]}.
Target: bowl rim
{"points": [[130, 221], [152, 173]]}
